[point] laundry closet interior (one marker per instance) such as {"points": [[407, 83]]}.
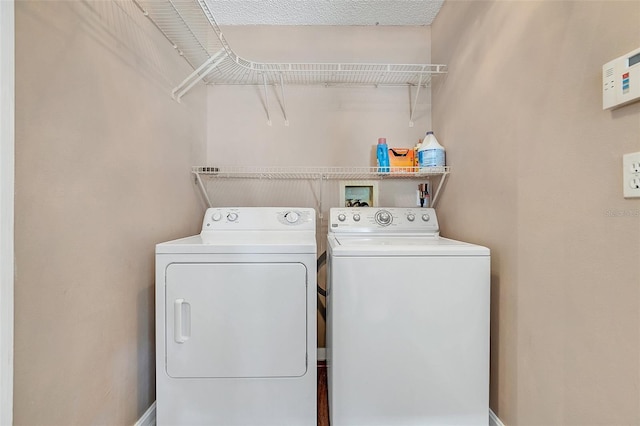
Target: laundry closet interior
{"points": [[131, 119]]}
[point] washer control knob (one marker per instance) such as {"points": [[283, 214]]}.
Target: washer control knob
{"points": [[426, 217], [232, 216], [411, 217], [342, 217], [383, 217], [216, 216], [356, 217], [291, 217]]}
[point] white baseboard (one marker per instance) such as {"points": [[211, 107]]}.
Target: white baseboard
{"points": [[494, 420], [149, 417]]}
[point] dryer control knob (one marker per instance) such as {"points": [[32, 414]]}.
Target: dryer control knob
{"points": [[292, 217], [411, 217], [426, 217], [232, 217], [216, 216], [356, 217], [342, 217]]}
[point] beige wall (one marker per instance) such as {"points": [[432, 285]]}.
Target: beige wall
{"points": [[103, 157], [537, 178]]}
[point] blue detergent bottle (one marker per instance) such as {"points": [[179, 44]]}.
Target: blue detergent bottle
{"points": [[382, 155]]}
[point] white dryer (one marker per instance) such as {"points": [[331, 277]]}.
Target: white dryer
{"points": [[236, 320], [407, 321]]}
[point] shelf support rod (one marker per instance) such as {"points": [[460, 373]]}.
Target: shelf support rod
{"points": [[435, 196], [195, 77], [266, 97], [284, 106], [415, 102], [320, 186], [202, 190]]}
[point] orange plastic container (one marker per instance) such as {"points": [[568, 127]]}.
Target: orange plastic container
{"points": [[401, 159]]}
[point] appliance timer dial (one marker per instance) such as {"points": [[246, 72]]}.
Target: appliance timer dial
{"points": [[292, 217], [384, 218]]}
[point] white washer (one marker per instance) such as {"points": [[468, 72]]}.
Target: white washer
{"points": [[407, 321], [236, 320]]}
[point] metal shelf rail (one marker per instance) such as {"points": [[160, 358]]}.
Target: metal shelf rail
{"points": [[319, 174], [191, 28]]}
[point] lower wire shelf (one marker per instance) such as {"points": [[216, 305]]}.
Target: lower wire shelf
{"points": [[327, 173], [320, 174]]}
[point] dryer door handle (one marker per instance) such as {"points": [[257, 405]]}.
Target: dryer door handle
{"points": [[181, 321]]}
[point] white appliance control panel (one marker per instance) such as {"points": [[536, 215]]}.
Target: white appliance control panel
{"points": [[385, 220], [621, 80], [259, 219]]}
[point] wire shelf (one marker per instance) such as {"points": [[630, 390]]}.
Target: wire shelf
{"points": [[324, 173], [193, 31]]}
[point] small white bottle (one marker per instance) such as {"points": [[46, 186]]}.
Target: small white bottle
{"points": [[431, 153], [416, 148]]}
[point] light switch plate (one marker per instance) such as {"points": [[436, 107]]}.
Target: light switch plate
{"points": [[631, 175]]}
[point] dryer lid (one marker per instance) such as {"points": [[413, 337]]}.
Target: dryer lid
{"points": [[242, 242]]}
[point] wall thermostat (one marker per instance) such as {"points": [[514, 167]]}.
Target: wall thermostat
{"points": [[621, 80]]}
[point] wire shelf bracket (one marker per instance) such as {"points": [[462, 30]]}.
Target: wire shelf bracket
{"points": [[415, 102], [283, 104], [266, 99], [198, 75]]}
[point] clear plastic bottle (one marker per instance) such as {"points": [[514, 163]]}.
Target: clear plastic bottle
{"points": [[431, 153], [382, 154], [425, 199]]}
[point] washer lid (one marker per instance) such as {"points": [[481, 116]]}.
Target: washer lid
{"points": [[242, 242], [402, 246]]}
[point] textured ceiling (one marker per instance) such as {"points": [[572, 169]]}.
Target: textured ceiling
{"points": [[325, 12]]}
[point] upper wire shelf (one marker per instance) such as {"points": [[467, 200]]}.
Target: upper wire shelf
{"points": [[192, 29]]}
